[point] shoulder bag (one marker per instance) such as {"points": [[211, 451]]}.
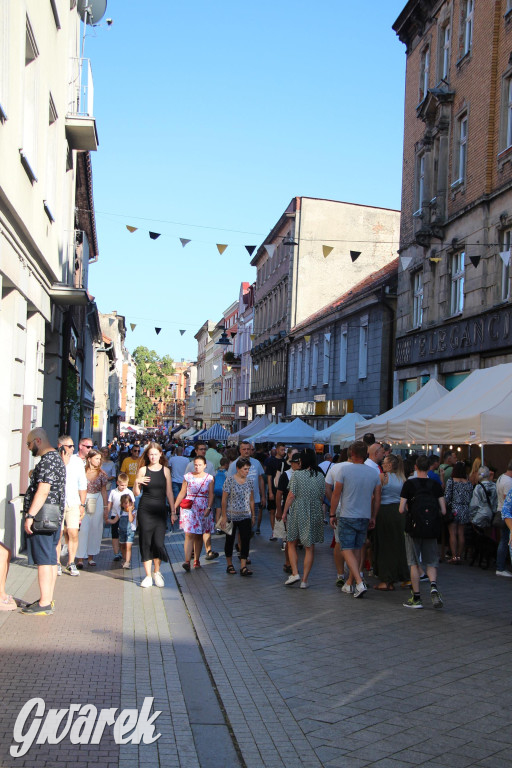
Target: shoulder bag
{"points": [[47, 519], [187, 503]]}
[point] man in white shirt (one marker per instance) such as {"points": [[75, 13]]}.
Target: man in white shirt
{"points": [[76, 492], [178, 465], [503, 486], [375, 456], [200, 449]]}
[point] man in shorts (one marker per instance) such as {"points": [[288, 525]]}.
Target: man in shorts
{"points": [[74, 509], [357, 488], [47, 485], [422, 550]]}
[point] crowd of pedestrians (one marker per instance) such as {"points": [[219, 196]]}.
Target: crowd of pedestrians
{"points": [[383, 516]]}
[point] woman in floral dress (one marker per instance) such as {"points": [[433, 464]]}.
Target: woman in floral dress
{"points": [[196, 519], [91, 528], [305, 520]]}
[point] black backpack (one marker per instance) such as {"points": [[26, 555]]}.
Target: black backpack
{"points": [[423, 519]]}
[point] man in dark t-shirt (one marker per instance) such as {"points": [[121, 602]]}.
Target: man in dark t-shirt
{"points": [[422, 550], [273, 465], [47, 486]]}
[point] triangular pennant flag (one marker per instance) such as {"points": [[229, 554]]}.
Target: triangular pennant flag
{"points": [[228, 367], [215, 367], [233, 334], [307, 338], [256, 367], [327, 249], [182, 332], [250, 249], [274, 362], [505, 257], [435, 259], [354, 255], [147, 366], [253, 336], [184, 241], [221, 248], [133, 326], [210, 334], [131, 229], [475, 260], [154, 235], [270, 249], [405, 261], [157, 331]]}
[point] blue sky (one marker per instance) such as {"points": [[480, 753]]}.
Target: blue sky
{"points": [[211, 117]]}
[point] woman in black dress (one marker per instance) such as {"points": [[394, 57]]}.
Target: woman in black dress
{"points": [[154, 482]]}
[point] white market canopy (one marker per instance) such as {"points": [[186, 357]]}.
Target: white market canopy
{"points": [[290, 432], [383, 426], [258, 425], [478, 410], [341, 432]]}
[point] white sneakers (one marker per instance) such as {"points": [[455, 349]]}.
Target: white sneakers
{"points": [[304, 585], [292, 580], [360, 589], [157, 578], [504, 573]]}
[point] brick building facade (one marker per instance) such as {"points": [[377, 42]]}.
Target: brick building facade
{"points": [[453, 310]]}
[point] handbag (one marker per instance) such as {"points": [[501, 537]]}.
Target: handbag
{"points": [[228, 528], [47, 519], [279, 530], [90, 505], [187, 503]]}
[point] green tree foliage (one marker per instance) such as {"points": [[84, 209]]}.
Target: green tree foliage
{"points": [[152, 371]]}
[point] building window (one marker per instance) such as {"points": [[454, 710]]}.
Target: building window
{"points": [[343, 354], [306, 366], [314, 368], [507, 113], [363, 349], [30, 103], [291, 371], [424, 72], [327, 357], [417, 299], [505, 268], [444, 51], [298, 377], [467, 25], [457, 283], [420, 184], [461, 150]]}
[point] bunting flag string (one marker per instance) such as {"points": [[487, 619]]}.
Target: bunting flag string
{"points": [[327, 249], [182, 332], [131, 229], [221, 248], [475, 260], [133, 326], [157, 331], [505, 257], [270, 249], [256, 367], [184, 241], [405, 261], [354, 255], [250, 249], [154, 235]]}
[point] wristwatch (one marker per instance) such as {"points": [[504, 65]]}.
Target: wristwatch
{"points": [[32, 517]]}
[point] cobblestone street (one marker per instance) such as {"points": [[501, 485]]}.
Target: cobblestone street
{"points": [[248, 672]]}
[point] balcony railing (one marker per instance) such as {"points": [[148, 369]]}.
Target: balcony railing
{"points": [[80, 122]]}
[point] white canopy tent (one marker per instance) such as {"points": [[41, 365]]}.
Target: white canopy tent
{"points": [[383, 426], [478, 410], [258, 425], [290, 432], [341, 433]]}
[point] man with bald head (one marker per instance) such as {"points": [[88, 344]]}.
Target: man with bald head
{"points": [[47, 485], [375, 456]]}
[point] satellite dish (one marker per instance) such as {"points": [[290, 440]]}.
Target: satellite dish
{"points": [[91, 11]]}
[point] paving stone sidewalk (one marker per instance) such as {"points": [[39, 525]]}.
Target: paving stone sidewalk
{"points": [[250, 673]]}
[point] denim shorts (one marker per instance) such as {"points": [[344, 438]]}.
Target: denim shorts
{"points": [[352, 532], [126, 535], [42, 547], [217, 502]]}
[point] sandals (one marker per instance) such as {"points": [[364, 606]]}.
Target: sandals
{"points": [[245, 571], [197, 564], [385, 588], [91, 563], [186, 565], [230, 569]]}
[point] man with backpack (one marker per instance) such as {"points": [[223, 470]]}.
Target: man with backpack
{"points": [[421, 498]]}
